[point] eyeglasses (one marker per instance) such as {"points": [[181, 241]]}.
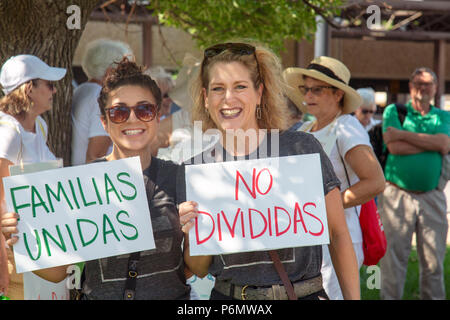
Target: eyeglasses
{"points": [[317, 90], [145, 112], [422, 84], [50, 85], [365, 111]]}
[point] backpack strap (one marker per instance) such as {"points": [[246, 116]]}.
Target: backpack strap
{"points": [[132, 272], [401, 112]]}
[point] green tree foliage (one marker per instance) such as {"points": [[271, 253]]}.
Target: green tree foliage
{"points": [[266, 21]]}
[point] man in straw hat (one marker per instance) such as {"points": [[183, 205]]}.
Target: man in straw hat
{"points": [[413, 200], [321, 89]]}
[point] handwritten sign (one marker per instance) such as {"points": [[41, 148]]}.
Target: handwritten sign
{"points": [[257, 205], [79, 213]]}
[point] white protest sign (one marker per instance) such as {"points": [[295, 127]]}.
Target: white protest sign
{"points": [[79, 213], [255, 205]]}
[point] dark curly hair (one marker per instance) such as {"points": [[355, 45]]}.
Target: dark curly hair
{"points": [[126, 73]]}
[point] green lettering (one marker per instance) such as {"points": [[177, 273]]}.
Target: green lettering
{"points": [[60, 244], [73, 194], [130, 197], [134, 237], [57, 196], [34, 205], [84, 243], [71, 237], [86, 204], [96, 192], [13, 197], [105, 219], [38, 241], [110, 188]]}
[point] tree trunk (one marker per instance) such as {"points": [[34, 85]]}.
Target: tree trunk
{"points": [[39, 27]]}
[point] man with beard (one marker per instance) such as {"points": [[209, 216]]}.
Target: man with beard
{"points": [[413, 200]]}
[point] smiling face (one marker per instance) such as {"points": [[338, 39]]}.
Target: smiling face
{"points": [[132, 136], [231, 97]]}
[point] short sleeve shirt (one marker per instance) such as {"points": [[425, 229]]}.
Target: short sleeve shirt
{"points": [[86, 121], [426, 165], [301, 263], [18, 144]]}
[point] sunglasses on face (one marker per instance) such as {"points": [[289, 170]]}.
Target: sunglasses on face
{"points": [[317, 90], [145, 112], [50, 85], [365, 111]]}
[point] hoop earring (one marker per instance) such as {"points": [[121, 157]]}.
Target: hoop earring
{"points": [[258, 112]]}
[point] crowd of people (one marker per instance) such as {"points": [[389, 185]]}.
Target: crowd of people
{"points": [[124, 110]]}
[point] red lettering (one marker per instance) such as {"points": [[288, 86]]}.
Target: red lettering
{"points": [[269, 222], [270, 184], [54, 296], [252, 235], [196, 228], [298, 212], [277, 232], [310, 214], [252, 192], [219, 229], [232, 229]]}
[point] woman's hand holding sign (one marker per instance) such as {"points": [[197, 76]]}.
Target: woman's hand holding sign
{"points": [[188, 211], [8, 224]]}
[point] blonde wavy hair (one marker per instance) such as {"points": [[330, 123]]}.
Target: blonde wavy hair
{"points": [[274, 110], [17, 102]]}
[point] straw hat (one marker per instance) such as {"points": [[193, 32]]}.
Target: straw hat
{"points": [[325, 69], [180, 93]]}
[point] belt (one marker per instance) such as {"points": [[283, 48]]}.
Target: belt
{"points": [[302, 288], [410, 191]]}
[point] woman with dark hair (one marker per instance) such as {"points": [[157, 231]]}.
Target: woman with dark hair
{"points": [[129, 102]]}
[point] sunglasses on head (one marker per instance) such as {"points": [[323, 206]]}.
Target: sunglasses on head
{"points": [[365, 111], [234, 47], [238, 48], [144, 111]]}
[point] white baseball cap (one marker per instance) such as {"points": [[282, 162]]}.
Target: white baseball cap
{"points": [[23, 68]]}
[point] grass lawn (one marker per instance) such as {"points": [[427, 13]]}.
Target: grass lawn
{"points": [[411, 292]]}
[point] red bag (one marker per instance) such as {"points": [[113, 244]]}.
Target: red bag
{"points": [[374, 239]]}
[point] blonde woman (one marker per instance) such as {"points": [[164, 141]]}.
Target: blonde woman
{"points": [[240, 87]]}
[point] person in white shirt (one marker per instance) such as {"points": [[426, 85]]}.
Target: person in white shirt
{"points": [[322, 90], [367, 109], [89, 140], [27, 83]]}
